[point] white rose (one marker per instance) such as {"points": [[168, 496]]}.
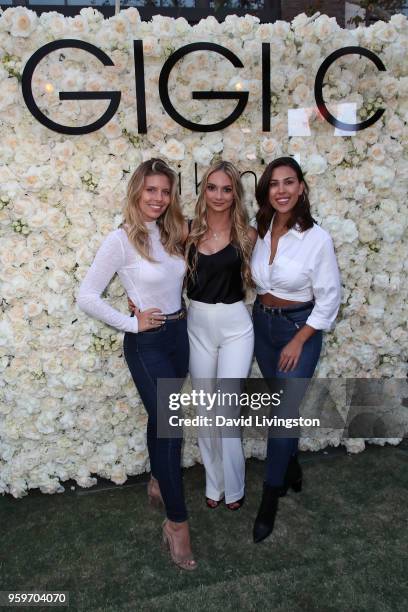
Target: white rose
{"points": [[342, 230], [280, 29], [377, 152], [33, 309], [383, 177], [173, 149], [73, 380], [381, 281], [54, 23], [59, 281], [392, 230], [118, 474], [6, 333], [163, 27], [385, 32], [265, 31], [295, 78], [270, 148], [297, 145], [84, 480], [315, 164], [302, 95], [336, 154], [112, 129], [278, 81], [324, 27], [202, 155], [151, 46], [17, 285], [23, 22], [309, 54], [366, 231]]}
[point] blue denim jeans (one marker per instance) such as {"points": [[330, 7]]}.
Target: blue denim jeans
{"points": [[272, 332], [151, 355]]}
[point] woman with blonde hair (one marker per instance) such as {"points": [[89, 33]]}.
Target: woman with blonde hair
{"points": [[147, 253], [218, 251]]}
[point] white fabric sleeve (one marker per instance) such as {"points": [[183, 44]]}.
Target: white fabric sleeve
{"points": [[326, 288], [108, 260]]}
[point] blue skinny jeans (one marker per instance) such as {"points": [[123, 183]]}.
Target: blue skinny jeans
{"points": [[272, 333], [151, 355]]}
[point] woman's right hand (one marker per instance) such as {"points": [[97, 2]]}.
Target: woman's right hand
{"points": [[147, 319]]}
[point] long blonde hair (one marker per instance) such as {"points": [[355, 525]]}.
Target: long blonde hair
{"points": [[171, 222], [239, 221]]}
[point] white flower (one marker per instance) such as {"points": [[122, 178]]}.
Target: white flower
{"points": [[33, 309], [385, 32], [270, 148], [202, 155], [58, 281], [118, 474], [342, 230], [173, 149], [6, 333], [302, 95], [69, 410], [383, 177], [315, 164], [324, 27], [309, 54], [163, 27], [23, 22], [336, 154]]}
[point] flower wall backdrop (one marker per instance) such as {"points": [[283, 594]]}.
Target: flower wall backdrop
{"points": [[69, 408]]}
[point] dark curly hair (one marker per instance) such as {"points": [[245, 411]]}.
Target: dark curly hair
{"points": [[300, 214]]}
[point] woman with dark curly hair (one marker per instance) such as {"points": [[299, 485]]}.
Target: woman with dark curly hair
{"points": [[298, 286]]}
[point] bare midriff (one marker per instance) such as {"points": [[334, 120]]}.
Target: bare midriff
{"points": [[270, 300]]}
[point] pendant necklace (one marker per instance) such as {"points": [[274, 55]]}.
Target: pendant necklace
{"points": [[216, 235]]}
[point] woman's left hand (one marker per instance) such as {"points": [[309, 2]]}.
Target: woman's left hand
{"points": [[131, 306], [290, 355]]}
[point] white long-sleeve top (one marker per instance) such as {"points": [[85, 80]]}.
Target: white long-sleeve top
{"points": [[304, 268], [148, 284]]}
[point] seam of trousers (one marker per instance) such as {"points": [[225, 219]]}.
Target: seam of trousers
{"points": [[151, 379]]}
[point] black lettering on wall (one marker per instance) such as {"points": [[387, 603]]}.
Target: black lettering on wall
{"points": [[241, 96], [318, 89], [35, 59]]}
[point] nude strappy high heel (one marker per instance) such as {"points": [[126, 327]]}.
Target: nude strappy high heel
{"points": [[185, 562], [153, 493]]}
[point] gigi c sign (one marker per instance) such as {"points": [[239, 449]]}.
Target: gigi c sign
{"points": [[240, 96]]}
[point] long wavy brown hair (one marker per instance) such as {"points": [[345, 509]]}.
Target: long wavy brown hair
{"points": [[300, 214], [239, 222], [171, 222]]}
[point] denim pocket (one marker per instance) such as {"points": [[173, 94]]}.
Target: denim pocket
{"points": [[153, 332], [298, 319]]}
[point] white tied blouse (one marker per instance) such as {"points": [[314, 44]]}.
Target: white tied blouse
{"points": [[148, 284], [304, 268]]}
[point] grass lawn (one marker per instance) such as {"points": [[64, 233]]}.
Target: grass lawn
{"points": [[339, 545]]}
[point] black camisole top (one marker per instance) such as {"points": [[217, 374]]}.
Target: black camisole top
{"points": [[217, 277]]}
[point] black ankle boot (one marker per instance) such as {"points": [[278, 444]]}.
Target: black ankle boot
{"points": [[265, 519], [293, 477]]}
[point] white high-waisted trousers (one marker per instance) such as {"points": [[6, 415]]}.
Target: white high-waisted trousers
{"points": [[221, 347]]}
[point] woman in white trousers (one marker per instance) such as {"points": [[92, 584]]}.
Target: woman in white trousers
{"points": [[220, 328]]}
